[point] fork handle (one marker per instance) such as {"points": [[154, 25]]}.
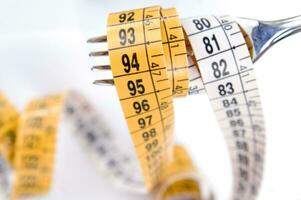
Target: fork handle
{"points": [[287, 26]]}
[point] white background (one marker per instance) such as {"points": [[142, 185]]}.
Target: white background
{"points": [[43, 50]]}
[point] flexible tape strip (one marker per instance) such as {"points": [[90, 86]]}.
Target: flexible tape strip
{"points": [[5, 178], [42, 116], [195, 79], [181, 180], [226, 68], [102, 145], [196, 85], [145, 93], [182, 189], [35, 146], [8, 124], [175, 52]]}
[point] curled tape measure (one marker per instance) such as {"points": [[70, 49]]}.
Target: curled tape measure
{"points": [[216, 60], [31, 136], [30, 171], [32, 140], [152, 60]]}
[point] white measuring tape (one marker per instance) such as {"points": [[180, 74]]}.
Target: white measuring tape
{"points": [[115, 162], [5, 179], [227, 73]]}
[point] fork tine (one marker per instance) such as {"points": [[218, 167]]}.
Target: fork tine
{"points": [[109, 82], [101, 67], [98, 53], [97, 39]]}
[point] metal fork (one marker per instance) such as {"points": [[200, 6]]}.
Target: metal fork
{"points": [[263, 35]]}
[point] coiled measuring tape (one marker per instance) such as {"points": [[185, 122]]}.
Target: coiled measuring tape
{"points": [[219, 64], [33, 163], [31, 148], [150, 66], [8, 124], [31, 136]]}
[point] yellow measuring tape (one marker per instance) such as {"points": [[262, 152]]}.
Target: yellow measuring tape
{"points": [[152, 68], [143, 86], [35, 146], [8, 125], [174, 46], [30, 145]]}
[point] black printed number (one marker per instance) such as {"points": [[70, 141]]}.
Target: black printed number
{"points": [[145, 121], [149, 134], [130, 63], [220, 68], [151, 145], [226, 89], [141, 106], [127, 36], [233, 113], [208, 44], [136, 87], [202, 23], [126, 17], [227, 103], [236, 123]]}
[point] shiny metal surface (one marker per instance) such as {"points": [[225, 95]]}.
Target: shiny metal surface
{"points": [[264, 34]]}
